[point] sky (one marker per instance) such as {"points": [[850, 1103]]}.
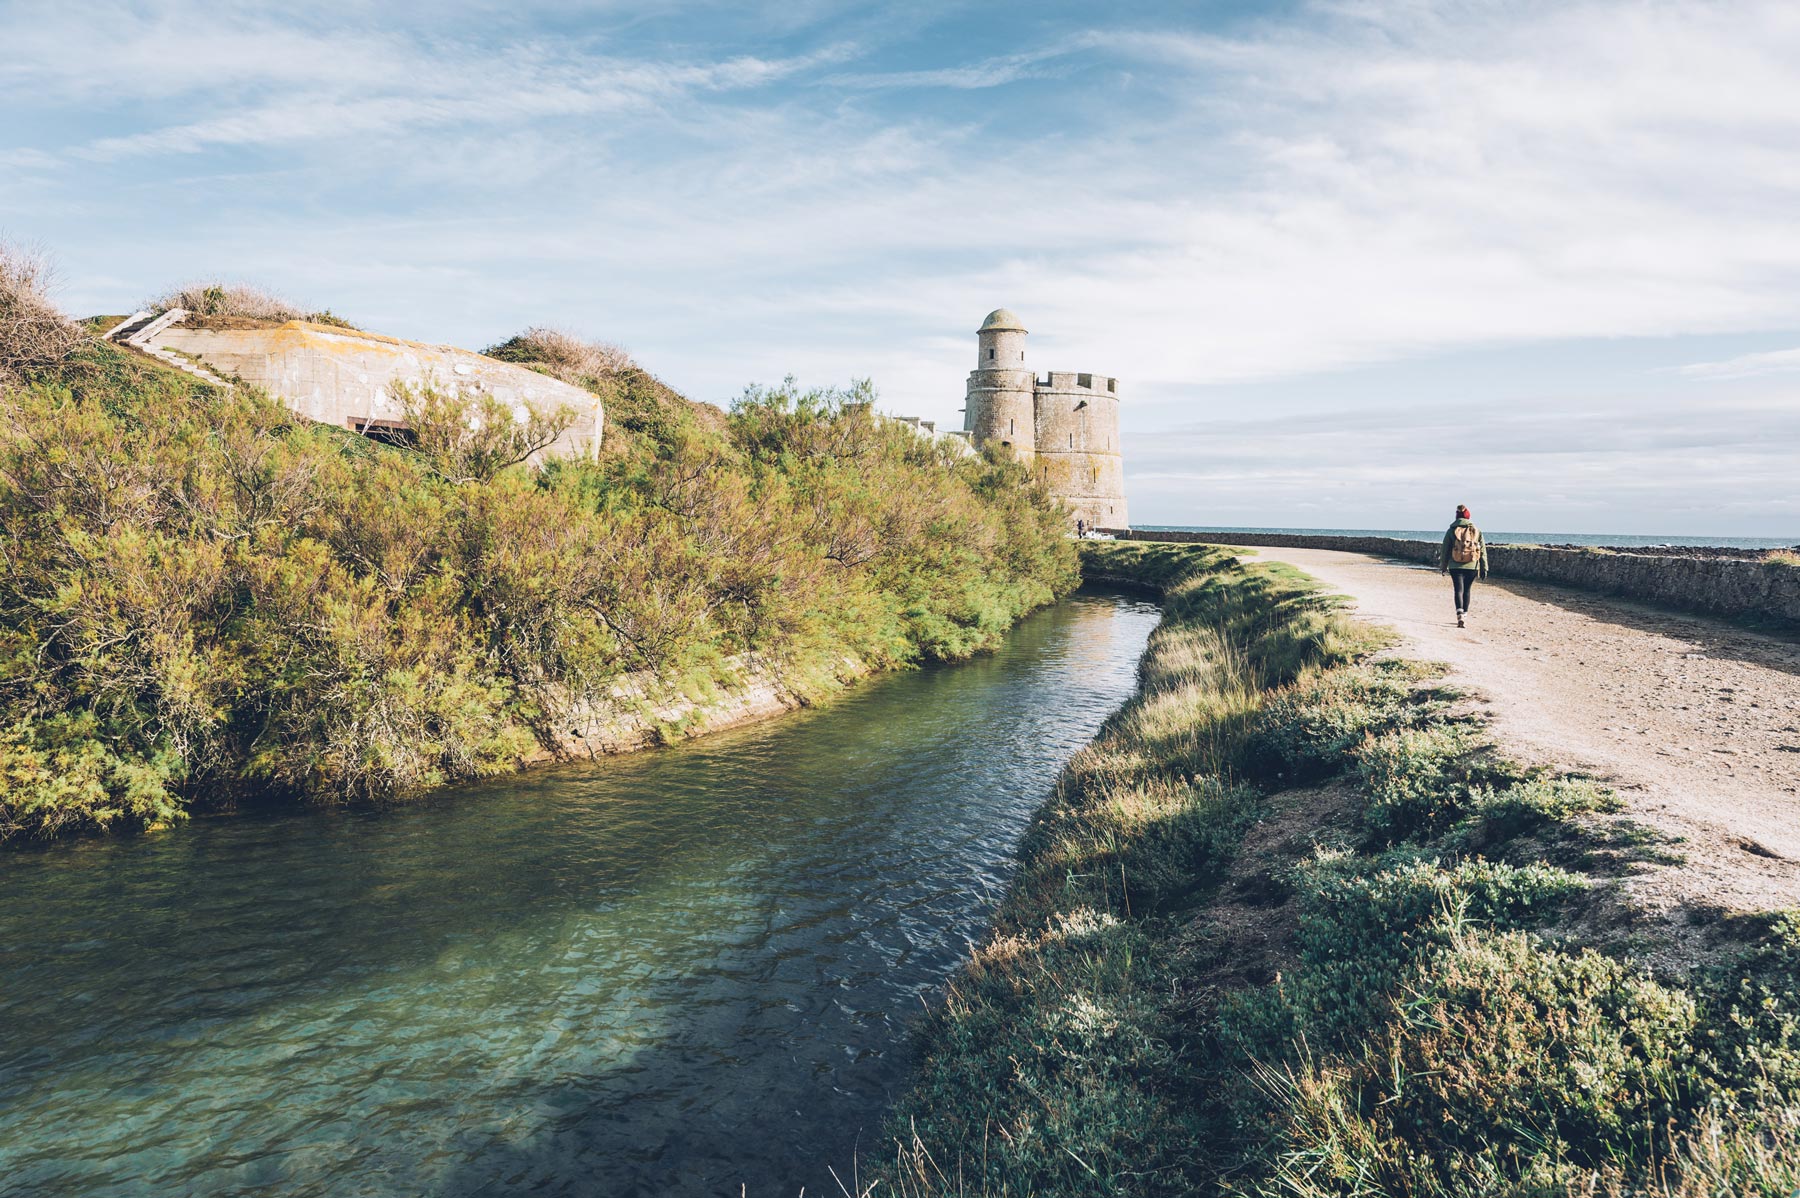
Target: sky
{"points": [[1353, 262]]}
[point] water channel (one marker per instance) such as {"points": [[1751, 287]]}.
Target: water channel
{"points": [[679, 972]]}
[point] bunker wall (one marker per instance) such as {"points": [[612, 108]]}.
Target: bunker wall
{"points": [[349, 378]]}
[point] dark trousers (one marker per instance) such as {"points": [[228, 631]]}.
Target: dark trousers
{"points": [[1464, 582]]}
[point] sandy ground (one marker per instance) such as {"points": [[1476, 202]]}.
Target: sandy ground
{"points": [[1696, 722]]}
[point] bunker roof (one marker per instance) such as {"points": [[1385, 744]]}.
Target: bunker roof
{"points": [[1001, 318]]}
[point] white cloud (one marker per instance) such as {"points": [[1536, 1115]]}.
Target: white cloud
{"points": [[492, 92], [1744, 366], [1536, 465], [1364, 183], [989, 72]]}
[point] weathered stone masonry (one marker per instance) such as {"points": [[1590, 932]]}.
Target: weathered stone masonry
{"points": [[1064, 426]]}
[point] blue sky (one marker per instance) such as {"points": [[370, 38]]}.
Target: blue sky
{"points": [[1353, 262]]}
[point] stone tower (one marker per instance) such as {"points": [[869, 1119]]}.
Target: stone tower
{"points": [[1064, 426], [999, 410]]}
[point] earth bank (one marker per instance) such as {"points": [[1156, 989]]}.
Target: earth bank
{"points": [[1295, 925]]}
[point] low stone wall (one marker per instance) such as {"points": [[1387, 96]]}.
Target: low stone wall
{"points": [[1736, 588]]}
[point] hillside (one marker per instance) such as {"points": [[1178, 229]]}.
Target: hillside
{"points": [[208, 600]]}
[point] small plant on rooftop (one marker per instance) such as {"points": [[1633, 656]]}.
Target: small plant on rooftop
{"points": [[214, 297], [565, 356]]}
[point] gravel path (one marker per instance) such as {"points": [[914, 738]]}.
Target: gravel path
{"points": [[1696, 722]]}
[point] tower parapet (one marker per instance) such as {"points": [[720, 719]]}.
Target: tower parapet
{"points": [[1064, 426]]}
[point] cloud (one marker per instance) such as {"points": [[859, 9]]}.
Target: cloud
{"points": [[989, 72], [845, 192], [1744, 366], [509, 90], [1537, 465]]}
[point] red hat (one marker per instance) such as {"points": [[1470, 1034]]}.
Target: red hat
{"points": [[1462, 511]]}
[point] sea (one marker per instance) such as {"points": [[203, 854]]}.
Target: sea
{"points": [[1504, 538]]}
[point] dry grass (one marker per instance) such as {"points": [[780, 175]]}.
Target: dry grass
{"points": [[33, 331], [564, 356], [215, 297]]}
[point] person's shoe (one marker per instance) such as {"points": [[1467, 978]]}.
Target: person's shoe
{"points": [[1459, 622]]}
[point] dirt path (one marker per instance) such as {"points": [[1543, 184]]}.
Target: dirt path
{"points": [[1696, 722]]}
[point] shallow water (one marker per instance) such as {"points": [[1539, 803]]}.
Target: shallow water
{"points": [[673, 973]]}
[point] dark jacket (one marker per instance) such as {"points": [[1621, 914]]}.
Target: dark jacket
{"points": [[1481, 560]]}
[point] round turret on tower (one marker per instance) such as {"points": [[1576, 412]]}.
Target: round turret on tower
{"points": [[1001, 339], [999, 407]]}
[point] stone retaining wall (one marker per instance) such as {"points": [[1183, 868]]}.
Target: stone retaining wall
{"points": [[1736, 588]]}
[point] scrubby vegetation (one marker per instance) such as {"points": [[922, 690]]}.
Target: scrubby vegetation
{"points": [[34, 334], [204, 598], [1293, 926], [583, 363], [243, 301]]}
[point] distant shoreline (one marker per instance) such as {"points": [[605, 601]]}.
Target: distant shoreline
{"points": [[1501, 538]]}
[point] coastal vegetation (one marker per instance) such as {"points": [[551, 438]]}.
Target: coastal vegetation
{"points": [[205, 599], [218, 298], [1293, 925]]}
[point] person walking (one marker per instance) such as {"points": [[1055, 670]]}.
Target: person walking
{"points": [[1464, 557]]}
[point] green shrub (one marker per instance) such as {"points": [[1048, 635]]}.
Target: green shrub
{"points": [[59, 774], [1307, 732], [1527, 807], [1503, 1067], [1421, 780], [1750, 1037], [1053, 1066], [1362, 935], [217, 597]]}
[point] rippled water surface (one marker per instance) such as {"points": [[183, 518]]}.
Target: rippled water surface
{"points": [[678, 972]]}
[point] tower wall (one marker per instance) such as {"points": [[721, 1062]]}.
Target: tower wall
{"points": [[1077, 446], [1000, 349], [1000, 411]]}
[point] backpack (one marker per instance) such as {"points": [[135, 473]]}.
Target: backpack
{"points": [[1465, 544]]}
